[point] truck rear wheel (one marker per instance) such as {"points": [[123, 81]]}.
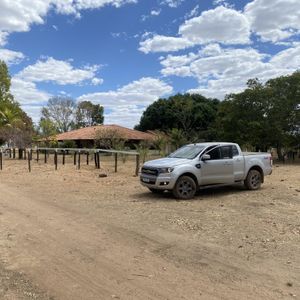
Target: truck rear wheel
{"points": [[185, 188], [253, 180]]}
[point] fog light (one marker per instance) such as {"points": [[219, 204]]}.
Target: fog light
{"points": [[164, 183]]}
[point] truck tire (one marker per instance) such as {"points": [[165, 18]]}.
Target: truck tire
{"points": [[185, 188], [253, 180]]}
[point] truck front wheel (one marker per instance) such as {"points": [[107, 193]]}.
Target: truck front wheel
{"points": [[253, 180], [185, 188]]}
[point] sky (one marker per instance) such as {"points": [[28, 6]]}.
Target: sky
{"points": [[126, 54]]}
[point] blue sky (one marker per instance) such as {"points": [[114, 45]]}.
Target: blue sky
{"points": [[125, 54]]}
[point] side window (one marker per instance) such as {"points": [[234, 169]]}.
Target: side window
{"points": [[215, 153], [235, 151], [226, 152]]}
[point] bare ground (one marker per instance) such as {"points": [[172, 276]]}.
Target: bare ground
{"points": [[69, 234]]}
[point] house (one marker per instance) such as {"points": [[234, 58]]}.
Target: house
{"points": [[102, 135]]}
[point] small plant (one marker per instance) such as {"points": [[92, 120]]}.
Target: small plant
{"points": [[143, 149]]}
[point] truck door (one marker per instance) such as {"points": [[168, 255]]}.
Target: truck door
{"points": [[219, 168], [238, 163]]}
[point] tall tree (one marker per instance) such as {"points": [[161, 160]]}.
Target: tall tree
{"points": [[88, 114], [60, 111], [4, 82], [191, 113], [15, 126], [263, 115]]}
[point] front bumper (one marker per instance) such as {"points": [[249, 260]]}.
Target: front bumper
{"points": [[160, 182]]}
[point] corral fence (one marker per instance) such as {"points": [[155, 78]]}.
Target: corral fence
{"points": [[80, 155]]}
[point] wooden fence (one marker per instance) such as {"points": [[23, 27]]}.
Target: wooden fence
{"points": [[78, 155]]}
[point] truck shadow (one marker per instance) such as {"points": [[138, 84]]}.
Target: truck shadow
{"points": [[216, 192]]}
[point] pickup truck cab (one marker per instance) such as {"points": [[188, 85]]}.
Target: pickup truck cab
{"points": [[202, 165]]}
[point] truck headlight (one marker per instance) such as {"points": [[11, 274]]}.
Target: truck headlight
{"points": [[165, 170]]}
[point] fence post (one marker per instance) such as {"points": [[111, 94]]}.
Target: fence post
{"points": [[55, 159], [14, 153], [79, 160], [29, 161], [137, 166], [45, 157], [87, 158], [37, 155], [116, 162], [64, 157], [1, 158], [98, 160], [75, 153]]}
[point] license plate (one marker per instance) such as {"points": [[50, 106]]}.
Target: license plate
{"points": [[145, 179]]}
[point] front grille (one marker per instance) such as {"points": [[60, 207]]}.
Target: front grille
{"points": [[149, 171], [149, 181]]}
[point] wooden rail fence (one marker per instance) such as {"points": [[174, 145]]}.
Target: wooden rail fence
{"points": [[78, 153]]}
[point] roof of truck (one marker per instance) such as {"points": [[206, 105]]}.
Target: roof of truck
{"points": [[213, 144]]}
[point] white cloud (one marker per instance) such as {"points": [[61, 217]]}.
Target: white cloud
{"points": [[26, 93], [274, 20], [33, 111], [19, 15], [160, 43], [58, 71], [222, 25], [3, 38], [155, 12], [11, 57], [193, 13], [172, 3], [127, 103], [222, 71], [97, 81], [289, 58], [128, 116], [222, 2]]}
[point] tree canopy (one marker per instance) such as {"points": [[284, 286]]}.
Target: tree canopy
{"points": [[63, 114], [191, 113], [263, 115], [88, 114], [16, 127]]}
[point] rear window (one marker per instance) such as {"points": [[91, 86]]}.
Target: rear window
{"points": [[235, 151]]}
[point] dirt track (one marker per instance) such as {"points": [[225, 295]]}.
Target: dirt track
{"points": [[69, 234]]}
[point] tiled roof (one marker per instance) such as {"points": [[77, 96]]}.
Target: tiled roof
{"points": [[88, 133]]}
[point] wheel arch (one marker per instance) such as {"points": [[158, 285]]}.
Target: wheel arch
{"points": [[192, 176], [260, 170]]}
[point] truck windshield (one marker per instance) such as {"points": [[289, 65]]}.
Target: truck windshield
{"points": [[188, 151]]}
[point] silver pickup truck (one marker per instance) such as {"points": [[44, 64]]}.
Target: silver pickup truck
{"points": [[203, 165]]}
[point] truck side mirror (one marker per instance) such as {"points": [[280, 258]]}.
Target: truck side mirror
{"points": [[205, 157]]}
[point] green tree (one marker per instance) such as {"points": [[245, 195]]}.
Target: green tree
{"points": [[60, 112], [88, 114], [16, 127], [191, 113], [4, 82], [177, 138], [263, 115]]}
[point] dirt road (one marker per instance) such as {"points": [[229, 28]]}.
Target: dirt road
{"points": [[69, 234]]}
